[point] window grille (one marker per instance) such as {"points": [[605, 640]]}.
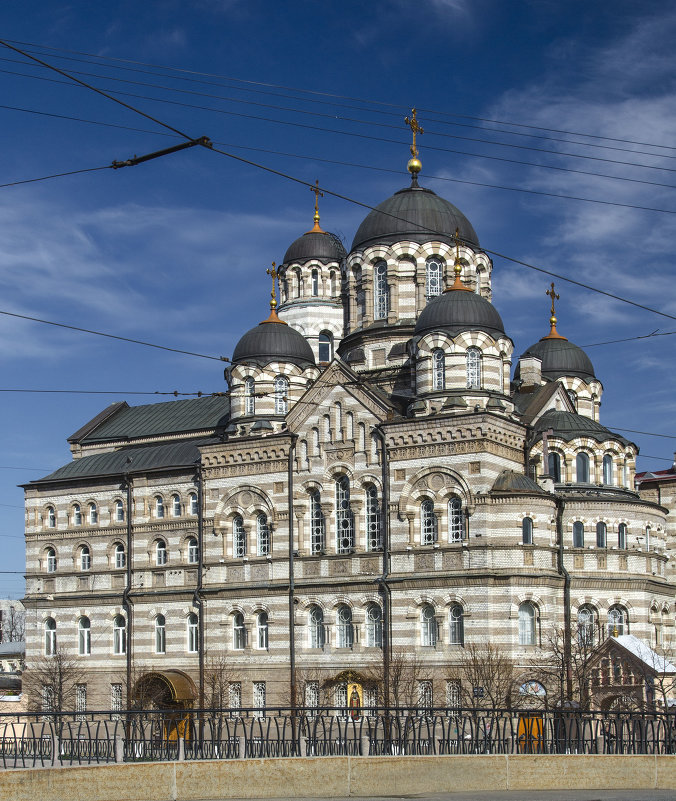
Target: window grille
{"points": [[586, 619], [317, 634], [438, 369], [249, 396], [617, 618], [193, 633], [262, 535], [341, 696], [425, 694], [433, 278], [428, 523], [160, 635], [456, 527], [456, 626], [345, 628], [116, 697], [312, 694], [47, 698], [374, 626], [473, 360], [235, 694], [259, 693], [344, 517], [380, 291], [281, 395], [317, 525], [238, 538], [373, 520], [453, 694], [80, 698], [429, 627]]}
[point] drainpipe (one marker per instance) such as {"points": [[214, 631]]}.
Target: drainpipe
{"points": [[292, 636], [197, 595], [560, 507], [384, 587], [127, 603]]}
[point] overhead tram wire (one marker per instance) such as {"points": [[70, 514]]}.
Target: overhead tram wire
{"points": [[174, 393], [322, 94]]}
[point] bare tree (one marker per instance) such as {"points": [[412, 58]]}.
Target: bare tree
{"points": [[218, 677], [490, 677], [51, 682], [411, 681], [12, 624]]}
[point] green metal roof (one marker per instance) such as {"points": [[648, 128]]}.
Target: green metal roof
{"points": [[155, 419]]}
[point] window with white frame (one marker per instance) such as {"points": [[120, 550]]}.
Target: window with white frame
{"points": [[380, 291], [238, 538], [607, 469], [159, 507], [456, 625], [428, 624], [80, 697], [160, 635], [434, 278], [316, 627], [527, 623], [238, 632], [249, 395], [51, 560], [119, 635], [93, 514], [374, 626], [456, 521], [160, 552], [601, 534], [235, 694], [317, 524], [428, 523], [617, 621], [325, 347], [85, 558], [259, 695], [262, 535], [84, 636], [193, 633], [344, 517], [116, 697], [120, 556], [582, 468], [473, 364], [262, 631], [527, 531], [119, 512], [312, 694], [77, 515], [281, 394], [622, 535], [193, 551], [578, 534], [194, 508], [438, 369], [345, 629], [586, 625], [175, 506], [453, 694], [51, 517], [374, 533], [50, 636]]}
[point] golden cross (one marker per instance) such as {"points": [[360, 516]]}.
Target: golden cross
{"points": [[553, 296], [273, 272], [318, 194], [412, 123]]}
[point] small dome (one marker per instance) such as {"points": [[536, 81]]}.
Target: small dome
{"points": [[560, 358], [569, 426], [315, 245], [273, 342], [511, 481], [414, 214], [458, 311]]}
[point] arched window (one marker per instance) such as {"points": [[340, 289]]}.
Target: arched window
{"points": [[349, 425], [428, 523], [160, 552], [601, 534], [238, 632], [84, 636], [249, 395], [527, 531], [262, 535], [586, 626], [281, 395], [572, 397], [316, 632], [175, 506], [344, 517], [473, 362], [317, 527], [120, 556], [345, 630], [438, 369], [119, 635], [93, 514], [622, 535], [193, 551], [339, 421], [193, 633], [159, 507], [607, 469], [194, 508], [434, 279], [51, 560], [582, 468], [380, 291], [555, 467], [374, 534], [527, 623], [51, 517], [315, 283], [456, 625], [238, 538], [85, 558], [325, 347], [77, 515], [428, 627], [332, 283], [262, 631], [617, 621], [119, 512], [160, 635], [456, 527], [374, 626], [578, 534], [50, 636]]}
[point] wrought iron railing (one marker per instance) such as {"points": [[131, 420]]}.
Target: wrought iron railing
{"points": [[53, 739]]}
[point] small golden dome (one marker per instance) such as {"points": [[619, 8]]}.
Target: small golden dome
{"points": [[414, 166]]}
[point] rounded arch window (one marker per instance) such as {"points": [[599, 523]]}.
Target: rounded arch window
{"points": [[438, 369], [160, 552], [249, 395], [554, 466], [607, 469], [281, 394], [262, 535], [622, 535], [159, 507], [93, 514], [325, 347], [193, 551], [527, 621], [434, 277], [601, 534], [428, 633], [582, 468], [527, 531], [238, 538], [380, 291], [344, 517], [315, 283], [77, 515], [85, 558], [473, 364], [119, 635], [572, 397], [586, 625], [238, 632], [374, 626], [456, 520], [119, 511], [316, 618], [456, 625], [160, 635], [193, 633], [345, 638], [317, 526], [618, 623], [50, 554], [175, 506], [578, 534], [120, 556], [428, 523], [262, 631], [373, 519], [51, 517], [194, 508], [84, 629], [50, 636]]}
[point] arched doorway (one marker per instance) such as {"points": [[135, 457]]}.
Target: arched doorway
{"points": [[165, 689]]}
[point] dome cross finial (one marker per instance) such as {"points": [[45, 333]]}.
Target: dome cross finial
{"points": [[274, 274], [318, 193], [457, 267], [553, 333], [414, 165]]}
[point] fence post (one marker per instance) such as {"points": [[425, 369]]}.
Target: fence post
{"points": [[181, 749], [364, 741], [118, 748], [242, 747]]}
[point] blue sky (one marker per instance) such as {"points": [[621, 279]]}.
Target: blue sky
{"points": [[175, 251]]}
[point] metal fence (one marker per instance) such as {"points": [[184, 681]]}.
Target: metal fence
{"points": [[53, 739]]}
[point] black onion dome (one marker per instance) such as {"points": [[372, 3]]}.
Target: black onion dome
{"points": [[415, 214], [273, 342], [457, 311], [560, 358], [315, 245]]}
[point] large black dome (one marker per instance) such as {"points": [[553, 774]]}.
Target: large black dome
{"points": [[457, 311], [415, 214], [315, 245], [273, 342], [559, 358]]}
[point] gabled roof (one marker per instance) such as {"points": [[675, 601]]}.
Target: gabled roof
{"points": [[121, 422], [529, 405]]}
